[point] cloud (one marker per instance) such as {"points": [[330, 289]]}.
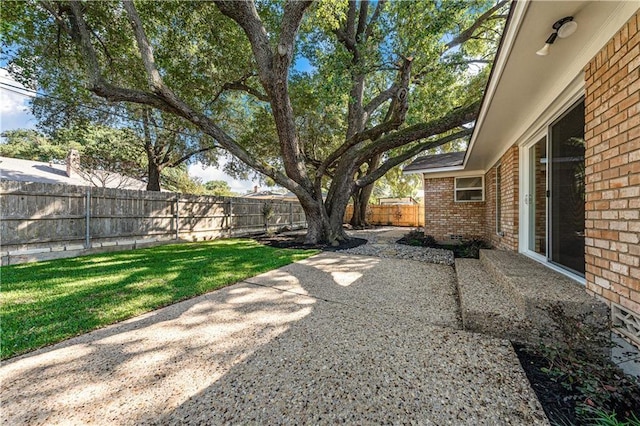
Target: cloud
{"points": [[207, 173], [14, 107]]}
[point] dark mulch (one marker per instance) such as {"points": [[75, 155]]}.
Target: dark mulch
{"points": [[556, 400], [296, 241]]}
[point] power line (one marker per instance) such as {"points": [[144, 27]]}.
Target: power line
{"points": [[34, 94]]}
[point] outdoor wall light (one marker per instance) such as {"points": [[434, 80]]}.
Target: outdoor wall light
{"points": [[562, 28]]}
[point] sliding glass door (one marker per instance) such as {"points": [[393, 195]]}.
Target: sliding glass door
{"points": [[567, 189], [555, 193], [537, 197]]}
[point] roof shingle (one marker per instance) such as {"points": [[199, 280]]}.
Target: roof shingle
{"points": [[437, 161]]}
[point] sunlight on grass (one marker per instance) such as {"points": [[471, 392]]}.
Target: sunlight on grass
{"points": [[43, 303]]}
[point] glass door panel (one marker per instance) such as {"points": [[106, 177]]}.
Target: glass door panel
{"points": [[537, 197], [567, 190]]}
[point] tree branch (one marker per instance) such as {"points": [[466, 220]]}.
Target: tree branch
{"points": [[468, 33], [374, 19], [244, 13], [398, 108], [380, 99], [454, 119], [371, 177], [144, 47], [362, 21], [58, 18], [293, 12], [100, 87], [350, 24], [238, 85], [189, 155]]}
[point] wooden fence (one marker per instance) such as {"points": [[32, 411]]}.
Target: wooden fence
{"points": [[395, 215], [39, 217]]}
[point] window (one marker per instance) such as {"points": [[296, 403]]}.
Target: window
{"points": [[469, 189], [499, 200]]}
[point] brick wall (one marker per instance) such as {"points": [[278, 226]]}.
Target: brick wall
{"points": [[612, 134], [443, 216], [490, 208], [508, 200]]}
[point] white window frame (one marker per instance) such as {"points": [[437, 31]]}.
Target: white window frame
{"points": [[456, 189]]}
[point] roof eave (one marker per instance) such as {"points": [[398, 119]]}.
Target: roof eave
{"points": [[433, 170], [512, 27]]}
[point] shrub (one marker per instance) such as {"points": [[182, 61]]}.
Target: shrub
{"points": [[471, 247], [417, 238], [582, 366]]}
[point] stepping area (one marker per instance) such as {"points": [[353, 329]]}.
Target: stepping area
{"points": [[334, 338], [507, 295]]}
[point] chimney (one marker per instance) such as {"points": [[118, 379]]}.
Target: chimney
{"points": [[255, 189], [73, 161]]}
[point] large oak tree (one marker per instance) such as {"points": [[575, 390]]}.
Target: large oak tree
{"points": [[229, 68]]}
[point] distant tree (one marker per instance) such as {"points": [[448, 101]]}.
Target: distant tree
{"points": [[395, 184], [104, 149], [28, 144], [165, 140], [218, 187], [105, 155], [177, 179]]}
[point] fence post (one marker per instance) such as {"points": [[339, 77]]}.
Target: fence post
{"points": [[177, 215], [87, 219], [230, 216], [291, 215]]}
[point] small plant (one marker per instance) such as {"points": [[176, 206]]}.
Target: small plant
{"points": [[267, 213], [417, 238], [581, 365], [471, 247], [604, 418]]}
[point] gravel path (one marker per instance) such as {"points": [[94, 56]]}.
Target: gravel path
{"points": [[334, 338], [382, 243]]}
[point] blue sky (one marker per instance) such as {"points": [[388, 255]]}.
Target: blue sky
{"points": [[14, 107]]}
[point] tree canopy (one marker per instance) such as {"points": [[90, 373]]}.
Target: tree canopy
{"points": [[387, 80]]}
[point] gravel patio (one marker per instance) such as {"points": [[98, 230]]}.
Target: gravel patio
{"points": [[338, 337]]}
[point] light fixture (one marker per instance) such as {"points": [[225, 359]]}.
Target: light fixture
{"points": [[545, 50], [562, 28]]}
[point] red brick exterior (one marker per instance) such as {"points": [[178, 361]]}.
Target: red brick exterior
{"points": [[490, 206], [445, 217], [509, 169], [612, 162]]}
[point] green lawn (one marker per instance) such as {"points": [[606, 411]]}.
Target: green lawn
{"points": [[46, 302]]}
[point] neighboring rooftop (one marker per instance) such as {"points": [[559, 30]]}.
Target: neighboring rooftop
{"points": [[270, 195], [14, 169], [437, 161]]}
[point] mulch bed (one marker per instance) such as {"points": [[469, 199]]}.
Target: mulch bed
{"points": [[556, 400], [297, 242]]}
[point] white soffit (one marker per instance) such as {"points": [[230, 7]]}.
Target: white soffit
{"points": [[524, 84], [451, 172]]}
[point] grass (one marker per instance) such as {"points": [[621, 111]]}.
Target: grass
{"points": [[44, 303]]}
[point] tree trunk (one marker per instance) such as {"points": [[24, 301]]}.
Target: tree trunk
{"points": [[324, 226], [362, 195], [360, 202], [153, 171]]}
